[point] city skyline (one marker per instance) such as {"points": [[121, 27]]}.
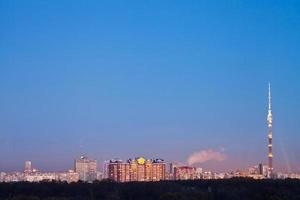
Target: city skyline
{"points": [[186, 82], [140, 169]]}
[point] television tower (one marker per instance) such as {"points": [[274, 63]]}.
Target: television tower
{"points": [[270, 136]]}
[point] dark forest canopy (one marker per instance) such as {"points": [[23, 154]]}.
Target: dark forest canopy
{"points": [[230, 189]]}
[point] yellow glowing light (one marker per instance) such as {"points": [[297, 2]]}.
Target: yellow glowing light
{"points": [[270, 155], [141, 160], [270, 145], [270, 136]]}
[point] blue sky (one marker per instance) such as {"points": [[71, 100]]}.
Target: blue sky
{"points": [[155, 78]]}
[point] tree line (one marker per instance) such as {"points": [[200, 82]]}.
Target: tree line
{"points": [[230, 189]]}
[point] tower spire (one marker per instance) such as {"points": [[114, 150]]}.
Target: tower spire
{"points": [[270, 98], [270, 135]]}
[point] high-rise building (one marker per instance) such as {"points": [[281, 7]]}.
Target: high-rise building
{"points": [[171, 171], [159, 170], [172, 167], [105, 169], [119, 171], [138, 169], [86, 168], [27, 167], [270, 136], [260, 169]]}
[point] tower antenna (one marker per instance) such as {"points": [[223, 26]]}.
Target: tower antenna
{"points": [[270, 135]]}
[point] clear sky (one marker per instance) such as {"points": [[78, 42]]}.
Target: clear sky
{"points": [[119, 79]]}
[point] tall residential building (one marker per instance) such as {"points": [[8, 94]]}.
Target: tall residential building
{"points": [[27, 167], [105, 169], [119, 171], [270, 136], [159, 170], [138, 169], [86, 168]]}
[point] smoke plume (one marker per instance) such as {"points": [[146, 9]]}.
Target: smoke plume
{"points": [[205, 155]]}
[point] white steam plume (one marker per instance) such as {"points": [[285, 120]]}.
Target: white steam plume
{"points": [[205, 155]]}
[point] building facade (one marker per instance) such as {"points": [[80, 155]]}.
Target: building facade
{"points": [[86, 168], [185, 173], [27, 167], [138, 169], [119, 171]]}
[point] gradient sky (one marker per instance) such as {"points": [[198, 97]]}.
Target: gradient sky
{"points": [[119, 79]]}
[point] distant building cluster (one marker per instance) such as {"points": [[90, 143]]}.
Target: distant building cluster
{"points": [[259, 171], [84, 170], [138, 169]]}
